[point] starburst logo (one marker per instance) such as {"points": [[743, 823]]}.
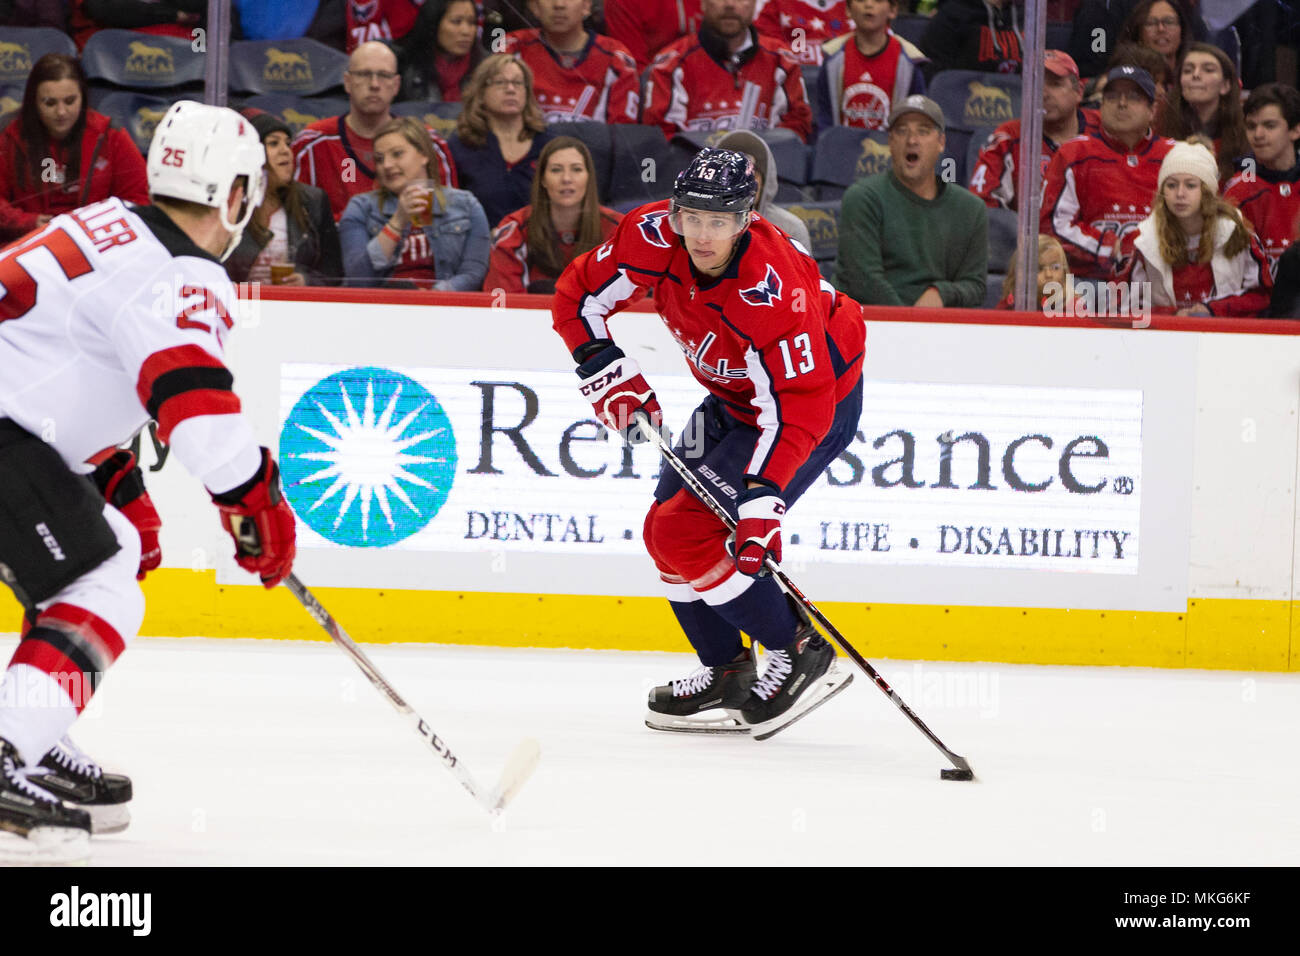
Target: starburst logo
{"points": [[367, 457]]}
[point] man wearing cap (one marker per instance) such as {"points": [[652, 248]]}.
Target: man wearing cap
{"points": [[994, 177], [1098, 188], [907, 237]]}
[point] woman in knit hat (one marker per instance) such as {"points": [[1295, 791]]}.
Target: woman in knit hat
{"points": [[292, 227], [1195, 248]]}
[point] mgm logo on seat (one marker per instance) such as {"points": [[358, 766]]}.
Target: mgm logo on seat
{"points": [[153, 62], [986, 105], [297, 120], [285, 69], [873, 159], [15, 61], [144, 122]]}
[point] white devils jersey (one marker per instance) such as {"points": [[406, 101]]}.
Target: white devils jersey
{"points": [[111, 316]]}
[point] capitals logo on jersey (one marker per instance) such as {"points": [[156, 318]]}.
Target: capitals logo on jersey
{"points": [[651, 226], [766, 292]]}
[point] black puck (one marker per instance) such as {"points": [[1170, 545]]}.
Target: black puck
{"points": [[951, 773]]}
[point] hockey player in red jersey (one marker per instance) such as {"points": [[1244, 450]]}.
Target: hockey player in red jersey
{"points": [[113, 315], [780, 353]]}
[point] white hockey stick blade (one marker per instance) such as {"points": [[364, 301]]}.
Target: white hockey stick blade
{"points": [[828, 685], [518, 769], [726, 722]]}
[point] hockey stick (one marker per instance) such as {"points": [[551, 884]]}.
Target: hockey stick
{"points": [[963, 770], [518, 768]]}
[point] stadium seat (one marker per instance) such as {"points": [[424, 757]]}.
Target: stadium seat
{"points": [[439, 117], [299, 67], [972, 100], [1003, 230], [633, 181], [843, 156], [137, 113], [21, 47], [823, 222], [993, 289], [296, 111], [911, 27], [977, 142], [956, 144], [1229, 41], [597, 138], [11, 101], [142, 61], [1058, 35]]}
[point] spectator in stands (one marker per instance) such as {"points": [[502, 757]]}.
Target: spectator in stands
{"points": [[408, 231], [1195, 249], [974, 35], [174, 18], [765, 171], [866, 71], [1097, 188], [1164, 26], [803, 26], [35, 13], [379, 20], [1135, 54], [906, 236], [1285, 300], [293, 225], [1091, 49], [506, 16], [726, 76], [1207, 100], [532, 246], [499, 135], [440, 52], [337, 154], [579, 75], [1267, 190], [994, 177], [57, 153], [647, 27], [1053, 276], [273, 19]]}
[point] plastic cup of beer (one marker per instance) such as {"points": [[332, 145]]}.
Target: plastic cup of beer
{"points": [[280, 272], [423, 215]]}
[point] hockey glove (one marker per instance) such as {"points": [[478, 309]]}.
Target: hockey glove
{"points": [[758, 532], [256, 515], [613, 384], [121, 482]]}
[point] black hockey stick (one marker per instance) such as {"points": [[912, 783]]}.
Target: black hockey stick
{"points": [[518, 768], [962, 769]]}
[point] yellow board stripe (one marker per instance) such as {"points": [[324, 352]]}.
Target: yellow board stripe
{"points": [[1212, 634]]}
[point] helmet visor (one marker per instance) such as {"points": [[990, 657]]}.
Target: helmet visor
{"points": [[706, 224]]}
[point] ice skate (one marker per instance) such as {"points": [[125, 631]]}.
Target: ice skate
{"points": [[72, 776], [35, 827], [797, 680], [706, 702]]}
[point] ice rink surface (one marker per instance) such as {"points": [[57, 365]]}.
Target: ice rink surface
{"points": [[275, 752]]}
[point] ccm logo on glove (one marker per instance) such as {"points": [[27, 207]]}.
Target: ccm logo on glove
{"points": [[613, 384], [758, 532]]}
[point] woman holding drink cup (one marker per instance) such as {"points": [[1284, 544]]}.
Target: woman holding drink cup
{"points": [[410, 231], [291, 238]]}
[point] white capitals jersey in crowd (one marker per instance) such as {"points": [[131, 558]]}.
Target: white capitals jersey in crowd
{"points": [[112, 316]]}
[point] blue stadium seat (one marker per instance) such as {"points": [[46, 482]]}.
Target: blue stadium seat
{"points": [[597, 138], [142, 61], [297, 111], [910, 27], [633, 181], [11, 101], [137, 113], [823, 222], [300, 67], [843, 155], [993, 289], [439, 117], [956, 144], [21, 47], [1003, 231], [972, 100]]}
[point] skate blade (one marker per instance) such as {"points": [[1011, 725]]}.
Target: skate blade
{"points": [[726, 722], [828, 685], [106, 818], [45, 846]]}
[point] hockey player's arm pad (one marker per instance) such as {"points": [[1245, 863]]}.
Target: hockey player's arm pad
{"points": [[758, 532], [614, 385], [121, 482], [256, 515]]}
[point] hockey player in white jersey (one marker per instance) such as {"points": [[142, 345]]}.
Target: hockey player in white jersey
{"points": [[110, 316]]}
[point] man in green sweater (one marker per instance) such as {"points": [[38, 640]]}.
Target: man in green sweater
{"points": [[906, 236]]}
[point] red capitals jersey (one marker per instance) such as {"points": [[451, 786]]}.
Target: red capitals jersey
{"points": [[769, 337], [328, 155], [645, 27], [1095, 192], [1271, 201], [379, 20], [600, 83], [994, 176], [508, 266], [688, 89], [803, 25]]}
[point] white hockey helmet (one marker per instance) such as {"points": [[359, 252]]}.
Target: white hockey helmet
{"points": [[199, 151]]}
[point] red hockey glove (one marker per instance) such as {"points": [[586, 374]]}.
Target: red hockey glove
{"points": [[758, 532], [613, 384], [259, 519], [121, 483]]}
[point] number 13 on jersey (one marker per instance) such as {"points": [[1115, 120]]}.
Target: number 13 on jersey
{"points": [[803, 346]]}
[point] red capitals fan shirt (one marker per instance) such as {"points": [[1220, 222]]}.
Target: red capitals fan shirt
{"points": [[599, 83], [1095, 193], [777, 344], [1271, 201], [645, 27], [379, 20], [803, 25], [760, 87], [994, 176]]}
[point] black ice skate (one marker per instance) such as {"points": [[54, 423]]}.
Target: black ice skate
{"points": [[35, 827], [797, 680], [706, 702], [68, 773]]}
